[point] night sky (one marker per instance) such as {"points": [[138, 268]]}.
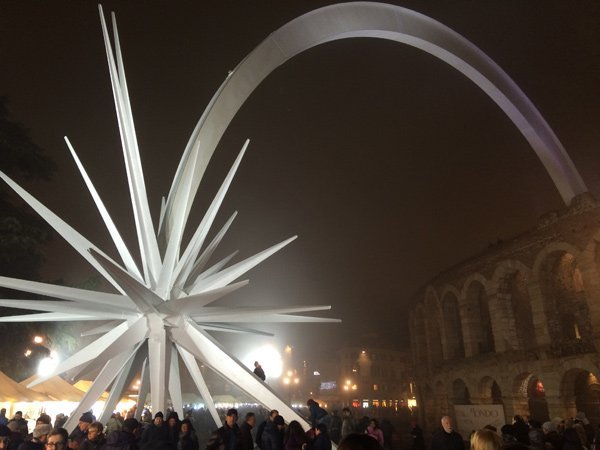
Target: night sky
{"points": [[390, 165]]}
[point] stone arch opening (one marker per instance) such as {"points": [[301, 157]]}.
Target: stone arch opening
{"points": [[490, 392], [420, 337], [460, 393], [565, 301], [478, 319], [453, 334], [580, 391], [515, 287]]}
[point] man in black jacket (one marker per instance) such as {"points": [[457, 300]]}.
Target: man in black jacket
{"points": [[447, 438], [246, 429], [229, 436]]}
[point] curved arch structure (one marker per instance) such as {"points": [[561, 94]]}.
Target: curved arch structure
{"points": [[374, 20]]}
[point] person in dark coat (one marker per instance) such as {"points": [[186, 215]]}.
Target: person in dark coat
{"points": [[156, 432], [188, 440], [229, 436], [258, 371], [446, 438], [173, 427], [246, 430], [322, 440], [79, 434], [417, 434], [521, 430], [40, 433], [571, 440], [272, 437], [295, 438], [123, 439], [261, 428], [95, 437]]}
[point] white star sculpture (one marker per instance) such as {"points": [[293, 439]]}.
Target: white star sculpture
{"points": [[163, 311]]}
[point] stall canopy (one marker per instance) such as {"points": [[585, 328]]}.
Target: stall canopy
{"points": [[56, 388], [11, 391]]}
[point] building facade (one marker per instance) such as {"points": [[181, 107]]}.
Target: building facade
{"points": [[517, 326], [375, 381]]}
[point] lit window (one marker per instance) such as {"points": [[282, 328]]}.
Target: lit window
{"points": [[375, 387], [375, 403], [365, 404]]}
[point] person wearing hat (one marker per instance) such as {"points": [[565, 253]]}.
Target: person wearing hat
{"points": [[38, 440], [125, 438], [156, 432], [79, 434], [229, 436]]}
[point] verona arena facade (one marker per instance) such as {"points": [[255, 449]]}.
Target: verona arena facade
{"points": [[518, 325]]}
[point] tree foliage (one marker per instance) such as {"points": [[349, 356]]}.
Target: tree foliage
{"points": [[22, 234]]}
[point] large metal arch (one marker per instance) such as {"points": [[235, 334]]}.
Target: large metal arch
{"points": [[375, 20]]}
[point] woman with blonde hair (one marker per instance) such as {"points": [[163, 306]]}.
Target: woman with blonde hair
{"points": [[485, 440]]}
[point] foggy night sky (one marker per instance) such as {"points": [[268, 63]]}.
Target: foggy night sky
{"points": [[390, 165]]}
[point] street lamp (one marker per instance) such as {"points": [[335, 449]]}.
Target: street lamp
{"points": [[289, 381]]}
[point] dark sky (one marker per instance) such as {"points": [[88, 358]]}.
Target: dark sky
{"points": [[388, 164]]}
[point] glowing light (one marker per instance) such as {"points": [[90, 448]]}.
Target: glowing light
{"points": [[47, 366], [27, 353], [412, 403], [38, 339], [269, 358]]}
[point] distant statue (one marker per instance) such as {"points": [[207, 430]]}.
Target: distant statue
{"points": [[258, 371]]}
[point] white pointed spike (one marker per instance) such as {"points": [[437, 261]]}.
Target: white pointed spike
{"points": [[228, 275], [170, 259], [144, 389], [265, 318], [47, 317], [144, 299], [253, 311], [199, 265], [122, 380], [189, 336], [288, 318], [135, 176], [59, 306], [175, 382], [157, 358], [110, 225], [106, 347], [66, 293], [100, 384], [101, 329], [212, 270], [178, 200], [76, 240], [194, 303], [193, 249], [231, 329], [192, 367]]}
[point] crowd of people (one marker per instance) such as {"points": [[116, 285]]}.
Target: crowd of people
{"points": [[571, 434], [274, 434], [255, 432]]}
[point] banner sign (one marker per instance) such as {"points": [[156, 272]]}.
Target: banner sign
{"points": [[471, 418]]}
